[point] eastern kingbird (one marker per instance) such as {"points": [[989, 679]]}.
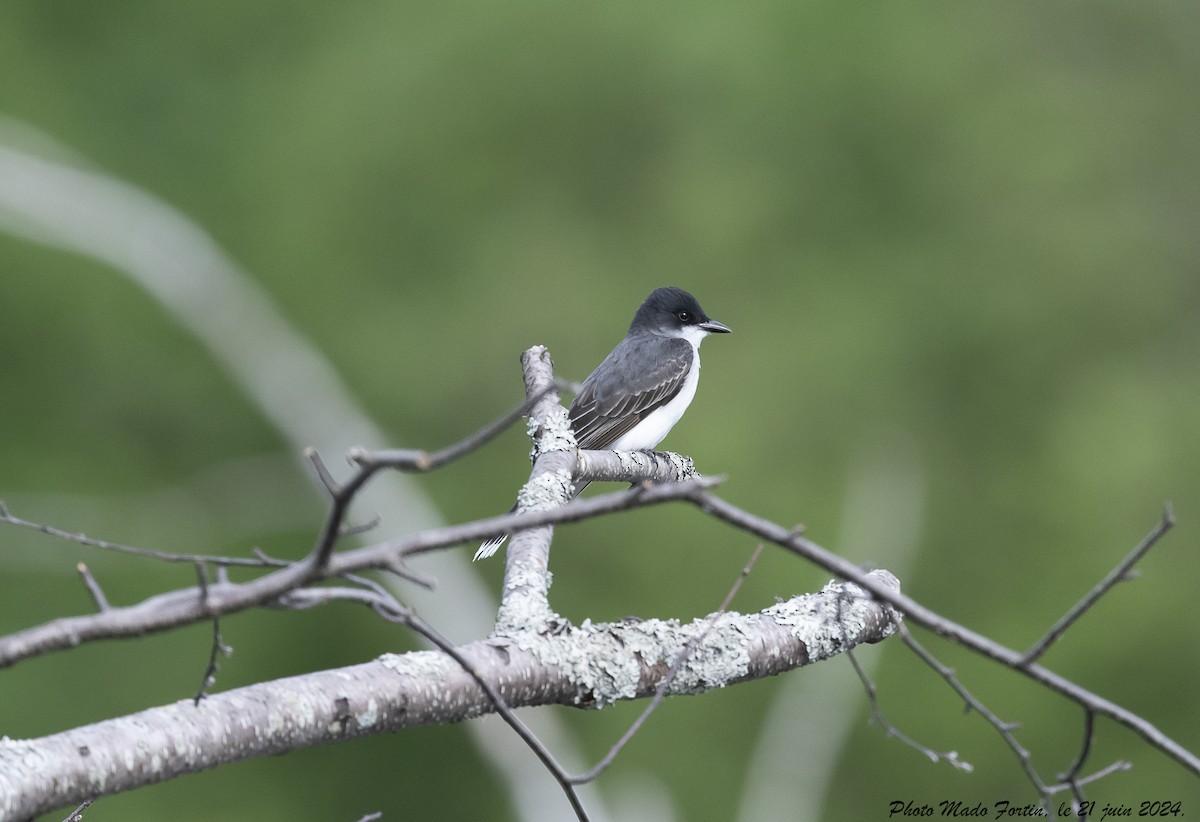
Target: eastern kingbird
{"points": [[633, 398]]}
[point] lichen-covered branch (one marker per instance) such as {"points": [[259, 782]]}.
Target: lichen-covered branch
{"points": [[593, 665], [533, 657]]}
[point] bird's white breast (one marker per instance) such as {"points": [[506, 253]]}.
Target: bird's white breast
{"points": [[658, 423]]}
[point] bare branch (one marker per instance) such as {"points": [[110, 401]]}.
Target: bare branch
{"points": [[183, 606], [77, 814], [340, 499], [362, 528], [506, 713], [1117, 574], [595, 664], [368, 463], [388, 607], [877, 715], [93, 587], [557, 458], [414, 460], [614, 466], [7, 518], [322, 471], [522, 663], [1115, 767], [923, 616], [1005, 729], [1071, 780], [210, 670], [558, 468], [1089, 730]]}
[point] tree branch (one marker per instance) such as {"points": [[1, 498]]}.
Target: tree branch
{"points": [[555, 451], [661, 692], [590, 666], [533, 657], [186, 606], [921, 615], [1117, 574]]}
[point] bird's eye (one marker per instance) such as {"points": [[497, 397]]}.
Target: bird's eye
{"points": [[684, 316]]}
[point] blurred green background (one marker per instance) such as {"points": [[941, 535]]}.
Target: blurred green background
{"points": [[957, 244]]}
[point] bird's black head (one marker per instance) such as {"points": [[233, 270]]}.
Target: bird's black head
{"points": [[675, 312]]}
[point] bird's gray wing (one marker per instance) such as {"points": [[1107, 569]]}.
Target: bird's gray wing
{"points": [[622, 391]]}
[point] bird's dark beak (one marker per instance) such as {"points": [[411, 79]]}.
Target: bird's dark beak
{"points": [[714, 327]]}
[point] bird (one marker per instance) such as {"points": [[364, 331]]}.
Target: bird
{"points": [[641, 389]]}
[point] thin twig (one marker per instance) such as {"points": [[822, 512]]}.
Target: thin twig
{"points": [[1006, 729], [210, 670], [1117, 574], [1089, 728], [416, 460], [77, 814], [340, 497], [371, 585], [384, 603], [362, 528], [7, 518], [202, 582], [1071, 777], [400, 569], [877, 715], [322, 471], [181, 607], [505, 712], [921, 615], [289, 585], [676, 666], [575, 511], [367, 464], [93, 587], [1107, 770]]}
